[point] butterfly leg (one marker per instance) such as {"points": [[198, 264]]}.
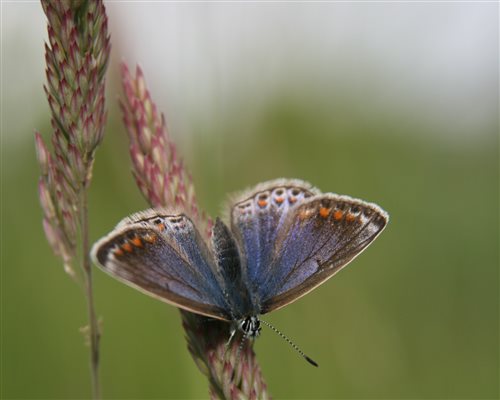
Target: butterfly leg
{"points": [[231, 335]]}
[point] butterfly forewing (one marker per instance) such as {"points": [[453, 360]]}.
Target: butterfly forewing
{"points": [[163, 255], [319, 238]]}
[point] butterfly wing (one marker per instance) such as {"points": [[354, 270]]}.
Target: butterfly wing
{"points": [[320, 237], [293, 238], [258, 217], [162, 254]]}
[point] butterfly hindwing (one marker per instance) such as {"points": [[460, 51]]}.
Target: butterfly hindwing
{"points": [[162, 254]]}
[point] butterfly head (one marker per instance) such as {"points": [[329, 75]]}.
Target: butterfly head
{"points": [[250, 326]]}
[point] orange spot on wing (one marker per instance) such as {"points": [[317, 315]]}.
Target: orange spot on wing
{"points": [[118, 252], [262, 203], [161, 226], [137, 242], [292, 200], [324, 212], [350, 217], [127, 247], [338, 215], [280, 200]]}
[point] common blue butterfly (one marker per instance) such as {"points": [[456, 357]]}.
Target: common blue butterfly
{"points": [[280, 240]]}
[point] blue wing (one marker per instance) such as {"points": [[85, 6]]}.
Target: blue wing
{"points": [[162, 254], [258, 218], [320, 237], [290, 250]]}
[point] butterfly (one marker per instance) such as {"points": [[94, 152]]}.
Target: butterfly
{"points": [[279, 241]]}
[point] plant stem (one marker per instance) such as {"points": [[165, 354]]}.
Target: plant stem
{"points": [[93, 323]]}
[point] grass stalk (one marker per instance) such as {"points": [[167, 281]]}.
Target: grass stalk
{"points": [[94, 333], [76, 55]]}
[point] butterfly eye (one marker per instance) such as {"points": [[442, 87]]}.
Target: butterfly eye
{"points": [[245, 325]]}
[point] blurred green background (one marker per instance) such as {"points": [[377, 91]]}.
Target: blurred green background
{"points": [[357, 99]]}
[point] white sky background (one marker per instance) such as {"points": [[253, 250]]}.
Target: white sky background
{"points": [[434, 58]]}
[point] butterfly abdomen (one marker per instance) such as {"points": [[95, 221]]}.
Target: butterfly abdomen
{"points": [[226, 252], [228, 262]]}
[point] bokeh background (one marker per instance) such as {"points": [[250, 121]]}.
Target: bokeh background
{"points": [[395, 103]]}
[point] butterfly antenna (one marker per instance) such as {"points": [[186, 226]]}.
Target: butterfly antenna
{"points": [[308, 359]]}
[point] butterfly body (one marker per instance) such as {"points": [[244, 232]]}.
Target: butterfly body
{"points": [[280, 240]]}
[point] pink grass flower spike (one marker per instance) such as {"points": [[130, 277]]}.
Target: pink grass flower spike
{"points": [[163, 180], [76, 58]]}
